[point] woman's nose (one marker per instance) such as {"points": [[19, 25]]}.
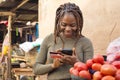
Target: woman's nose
{"points": [[68, 28]]}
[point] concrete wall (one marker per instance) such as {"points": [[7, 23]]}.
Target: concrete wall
{"points": [[101, 20]]}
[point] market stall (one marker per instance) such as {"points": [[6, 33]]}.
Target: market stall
{"points": [[17, 14]]}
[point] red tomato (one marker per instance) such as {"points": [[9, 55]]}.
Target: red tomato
{"points": [[89, 63], [98, 58], [116, 64], [108, 78], [108, 69], [118, 71], [96, 66], [106, 62], [85, 74], [97, 75], [75, 72], [80, 66], [71, 69], [117, 75], [76, 64]]}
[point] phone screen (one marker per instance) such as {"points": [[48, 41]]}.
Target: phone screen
{"points": [[67, 51]]}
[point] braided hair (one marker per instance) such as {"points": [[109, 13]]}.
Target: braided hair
{"points": [[68, 8]]}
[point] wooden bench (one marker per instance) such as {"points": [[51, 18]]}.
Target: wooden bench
{"points": [[23, 71]]}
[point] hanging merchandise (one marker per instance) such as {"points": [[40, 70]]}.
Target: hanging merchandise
{"points": [[29, 37], [20, 31], [5, 47], [16, 31], [4, 22], [36, 30]]}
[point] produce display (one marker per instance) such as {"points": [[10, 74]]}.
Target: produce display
{"points": [[96, 68]]}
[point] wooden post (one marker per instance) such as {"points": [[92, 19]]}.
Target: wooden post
{"points": [[8, 65], [9, 51]]}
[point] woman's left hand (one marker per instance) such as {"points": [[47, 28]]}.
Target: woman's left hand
{"points": [[69, 59]]}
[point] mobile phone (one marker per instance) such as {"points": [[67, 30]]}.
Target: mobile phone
{"points": [[67, 51]]}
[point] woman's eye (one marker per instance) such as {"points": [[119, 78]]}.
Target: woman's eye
{"points": [[63, 24], [73, 25]]}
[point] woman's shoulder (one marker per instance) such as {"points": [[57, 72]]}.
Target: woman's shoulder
{"points": [[85, 42], [84, 38], [49, 37]]}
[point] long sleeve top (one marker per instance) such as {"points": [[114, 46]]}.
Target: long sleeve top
{"points": [[84, 51]]}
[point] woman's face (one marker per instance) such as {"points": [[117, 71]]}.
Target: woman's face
{"points": [[68, 25]]}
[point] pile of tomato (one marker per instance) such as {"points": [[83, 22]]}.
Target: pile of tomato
{"points": [[97, 69]]}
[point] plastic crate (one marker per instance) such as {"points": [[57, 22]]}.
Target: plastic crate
{"points": [[77, 78]]}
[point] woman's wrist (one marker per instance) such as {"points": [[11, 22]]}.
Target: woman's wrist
{"points": [[75, 61], [52, 65]]}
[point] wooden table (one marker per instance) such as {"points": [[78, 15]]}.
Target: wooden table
{"points": [[23, 71]]}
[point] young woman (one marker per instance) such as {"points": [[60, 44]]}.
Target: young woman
{"points": [[67, 35]]}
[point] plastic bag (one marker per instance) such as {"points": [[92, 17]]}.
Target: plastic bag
{"points": [[113, 50], [5, 45], [27, 46]]}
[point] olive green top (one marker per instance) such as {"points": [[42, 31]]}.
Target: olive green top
{"points": [[84, 51]]}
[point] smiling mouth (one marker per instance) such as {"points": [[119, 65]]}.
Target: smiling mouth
{"points": [[68, 34]]}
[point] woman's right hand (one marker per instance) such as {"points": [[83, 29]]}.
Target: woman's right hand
{"points": [[56, 63]]}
